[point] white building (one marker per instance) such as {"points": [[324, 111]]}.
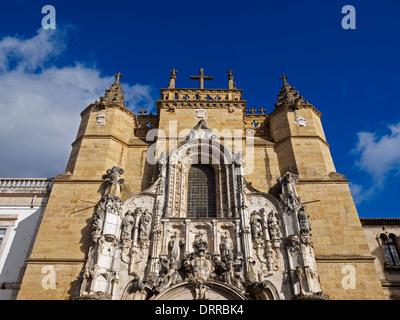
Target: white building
{"points": [[22, 204]]}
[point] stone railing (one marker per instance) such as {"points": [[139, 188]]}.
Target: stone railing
{"points": [[218, 95], [25, 185], [258, 122]]}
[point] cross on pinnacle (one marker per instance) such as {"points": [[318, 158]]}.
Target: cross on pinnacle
{"points": [[284, 78], [142, 112], [174, 72], [201, 77], [118, 75]]}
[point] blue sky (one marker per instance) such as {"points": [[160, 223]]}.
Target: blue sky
{"points": [[351, 76]]}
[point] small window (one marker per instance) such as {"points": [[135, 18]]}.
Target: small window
{"points": [[390, 250], [2, 234]]}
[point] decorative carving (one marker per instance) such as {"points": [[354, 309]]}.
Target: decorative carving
{"points": [[289, 193], [300, 279], [231, 275], [292, 242], [301, 122], [273, 227], [113, 180], [304, 223], [145, 227], [175, 244], [256, 225], [200, 244], [171, 276], [114, 95], [201, 113], [226, 247], [101, 119]]}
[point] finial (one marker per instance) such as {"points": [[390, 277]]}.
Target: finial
{"points": [[173, 72], [231, 84], [142, 112], [118, 75], [284, 78], [172, 78]]}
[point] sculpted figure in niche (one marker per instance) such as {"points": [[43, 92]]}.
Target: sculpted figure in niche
{"points": [[98, 220], [200, 242], [171, 277], [231, 276], [256, 225], [145, 225], [273, 227], [226, 247], [303, 221], [127, 226], [175, 245]]}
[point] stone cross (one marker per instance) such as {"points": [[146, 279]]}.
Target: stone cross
{"points": [[118, 75], [201, 77], [142, 112], [174, 72], [284, 78], [262, 110], [252, 110]]}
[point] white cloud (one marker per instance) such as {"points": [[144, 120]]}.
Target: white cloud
{"points": [[40, 104], [379, 156]]}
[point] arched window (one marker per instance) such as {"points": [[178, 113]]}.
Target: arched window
{"points": [[390, 249], [201, 192]]}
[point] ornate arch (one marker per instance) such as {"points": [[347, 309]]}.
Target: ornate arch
{"points": [[201, 146], [187, 291]]}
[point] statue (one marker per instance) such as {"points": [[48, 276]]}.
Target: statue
{"points": [[256, 225], [230, 275], [127, 226], [171, 277], [273, 227], [303, 221], [175, 244], [145, 225], [200, 243], [226, 247]]}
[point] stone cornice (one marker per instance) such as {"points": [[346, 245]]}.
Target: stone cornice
{"points": [[130, 144], [200, 104], [380, 221], [97, 105], [54, 261], [302, 137], [292, 108], [341, 259]]}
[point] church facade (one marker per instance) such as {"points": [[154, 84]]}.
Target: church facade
{"points": [[204, 200]]}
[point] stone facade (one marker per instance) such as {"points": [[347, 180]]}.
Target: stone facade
{"points": [[378, 231], [116, 224]]}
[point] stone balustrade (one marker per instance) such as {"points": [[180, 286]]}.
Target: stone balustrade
{"points": [[23, 185]]}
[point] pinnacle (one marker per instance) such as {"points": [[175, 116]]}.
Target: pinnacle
{"points": [[288, 95], [114, 95]]}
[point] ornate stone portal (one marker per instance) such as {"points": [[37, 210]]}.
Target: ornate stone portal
{"points": [[257, 247]]}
